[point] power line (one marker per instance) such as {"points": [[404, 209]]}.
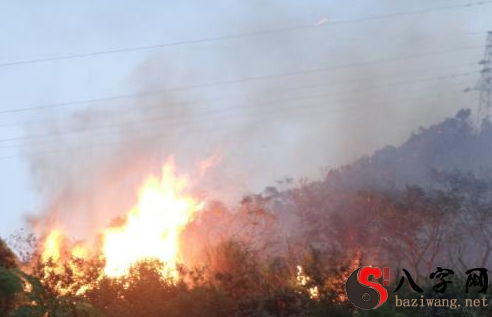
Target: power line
{"points": [[226, 109], [240, 80], [154, 135], [269, 91], [240, 35]]}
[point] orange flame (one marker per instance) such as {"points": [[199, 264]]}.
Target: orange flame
{"points": [[151, 231], [152, 227], [52, 245]]}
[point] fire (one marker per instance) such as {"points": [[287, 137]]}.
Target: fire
{"points": [[303, 280], [151, 231], [336, 283], [52, 244], [152, 227]]}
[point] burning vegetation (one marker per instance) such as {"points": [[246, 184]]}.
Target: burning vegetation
{"points": [[150, 231], [140, 257], [285, 252]]}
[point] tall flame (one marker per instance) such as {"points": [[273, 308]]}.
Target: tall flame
{"points": [[52, 245], [151, 231], [152, 227]]}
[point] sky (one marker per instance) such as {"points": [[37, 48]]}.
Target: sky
{"points": [[341, 80]]}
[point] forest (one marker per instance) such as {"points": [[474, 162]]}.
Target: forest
{"points": [[289, 250]]}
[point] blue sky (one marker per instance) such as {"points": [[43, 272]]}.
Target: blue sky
{"points": [[298, 146]]}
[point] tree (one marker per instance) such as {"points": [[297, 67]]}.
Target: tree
{"points": [[413, 224], [472, 200], [10, 285], [7, 257]]}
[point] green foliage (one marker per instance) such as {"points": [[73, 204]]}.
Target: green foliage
{"points": [[10, 285], [7, 257], [36, 300]]}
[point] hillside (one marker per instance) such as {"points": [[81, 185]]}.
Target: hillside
{"points": [[453, 144]]}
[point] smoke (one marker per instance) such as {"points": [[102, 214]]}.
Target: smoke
{"points": [[90, 167]]}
